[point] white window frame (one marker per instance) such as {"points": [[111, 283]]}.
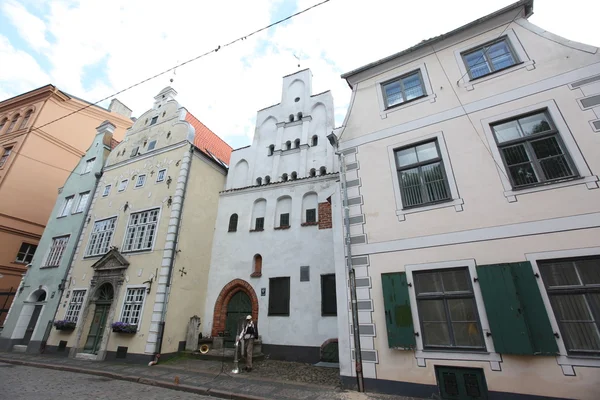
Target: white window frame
{"points": [[49, 252], [107, 189], [26, 252], [586, 177], [429, 95], [145, 250], [77, 210], [566, 361], [144, 288], [89, 164], [164, 176], [137, 181], [456, 201], [71, 305], [422, 355], [522, 61], [67, 206], [87, 254], [124, 187]]}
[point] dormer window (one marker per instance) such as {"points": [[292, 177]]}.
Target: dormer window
{"points": [[296, 143], [402, 89], [151, 145], [489, 58], [288, 145], [153, 121]]}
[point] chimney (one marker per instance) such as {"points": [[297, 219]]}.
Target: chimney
{"points": [[119, 108], [106, 129], [163, 96]]}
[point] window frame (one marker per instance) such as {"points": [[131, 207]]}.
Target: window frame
{"points": [[143, 289], [326, 313], [6, 155], [154, 120], [77, 210], [270, 313], [107, 190], [126, 234], [70, 313], [232, 226], [402, 90], [282, 217], [312, 220], [49, 253], [24, 261], [262, 228], [455, 200], [137, 181], [67, 206], [13, 123], [26, 118], [87, 253], [89, 164], [503, 38], [151, 143], [119, 190], [158, 180]]}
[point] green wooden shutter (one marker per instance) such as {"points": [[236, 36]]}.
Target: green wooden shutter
{"points": [[540, 330], [398, 317], [515, 310]]}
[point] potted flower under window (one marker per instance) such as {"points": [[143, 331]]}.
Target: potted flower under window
{"points": [[64, 325], [124, 327]]}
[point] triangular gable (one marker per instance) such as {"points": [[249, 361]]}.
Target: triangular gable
{"points": [[113, 260]]}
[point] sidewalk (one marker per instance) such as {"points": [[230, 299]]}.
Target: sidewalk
{"points": [[201, 377]]}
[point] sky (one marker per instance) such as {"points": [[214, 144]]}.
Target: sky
{"points": [[95, 48]]}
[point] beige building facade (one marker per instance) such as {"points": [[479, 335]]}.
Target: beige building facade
{"points": [[473, 169], [143, 250]]}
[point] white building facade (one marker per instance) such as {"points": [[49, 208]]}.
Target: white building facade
{"points": [[271, 253], [473, 163]]}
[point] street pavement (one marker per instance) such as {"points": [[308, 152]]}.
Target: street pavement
{"points": [[19, 382]]}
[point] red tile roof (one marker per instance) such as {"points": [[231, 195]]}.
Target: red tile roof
{"points": [[113, 143], [207, 141]]}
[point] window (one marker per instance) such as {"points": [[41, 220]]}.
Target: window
{"points": [[141, 230], [151, 145], [13, 123], [260, 224], [2, 123], [314, 140], [532, 150], [101, 237], [257, 266], [447, 309], [154, 119], [279, 296], [405, 88], [141, 180], [161, 175], [491, 57], [313, 172], [106, 190], [83, 200], [123, 185], [88, 165], [573, 286], [311, 215], [132, 306], [26, 119], [288, 145], [267, 179], [328, 295], [284, 177], [134, 152], [259, 181], [66, 207], [421, 174], [233, 221], [26, 252], [75, 305], [271, 150], [294, 175], [56, 251], [322, 171], [296, 143], [5, 155], [284, 220]]}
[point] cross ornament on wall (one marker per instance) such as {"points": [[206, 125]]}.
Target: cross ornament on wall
{"points": [[182, 271]]}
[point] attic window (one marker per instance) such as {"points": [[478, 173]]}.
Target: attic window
{"points": [[294, 176], [284, 177], [322, 171], [296, 143], [134, 152], [288, 145], [291, 117], [154, 119], [299, 115], [313, 172], [259, 181], [267, 179], [297, 99]]}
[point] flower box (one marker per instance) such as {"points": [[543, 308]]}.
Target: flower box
{"points": [[63, 325], [123, 327]]}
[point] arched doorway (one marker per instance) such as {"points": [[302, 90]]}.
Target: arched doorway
{"points": [[238, 308], [103, 300], [222, 306], [37, 297]]}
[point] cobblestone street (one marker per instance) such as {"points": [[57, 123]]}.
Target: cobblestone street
{"points": [[51, 384]]}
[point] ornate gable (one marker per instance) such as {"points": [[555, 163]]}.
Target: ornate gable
{"points": [[111, 261]]}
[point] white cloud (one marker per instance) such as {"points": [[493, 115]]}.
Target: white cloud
{"points": [[123, 42]]}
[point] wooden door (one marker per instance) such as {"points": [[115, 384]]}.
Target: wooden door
{"points": [[32, 323], [238, 308], [92, 344]]}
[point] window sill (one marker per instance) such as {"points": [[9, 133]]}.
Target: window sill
{"points": [[428, 97], [75, 213], [49, 267], [21, 262], [493, 358], [62, 216], [255, 275], [86, 257], [310, 223], [256, 230], [469, 85], [278, 315], [456, 203], [231, 231], [142, 251], [590, 181], [279, 228], [568, 362]]}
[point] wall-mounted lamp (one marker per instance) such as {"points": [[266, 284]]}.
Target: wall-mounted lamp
{"points": [[169, 180], [126, 206]]}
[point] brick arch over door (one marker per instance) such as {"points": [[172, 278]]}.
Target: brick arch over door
{"points": [[226, 294]]}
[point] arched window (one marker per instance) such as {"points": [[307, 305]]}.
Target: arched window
{"points": [[294, 176], [271, 149], [288, 145], [259, 181], [26, 119], [283, 212], [233, 221], [296, 143], [3, 122], [257, 266], [284, 177], [291, 117], [313, 172], [267, 180], [314, 141], [13, 123], [299, 115], [258, 215], [322, 171]]}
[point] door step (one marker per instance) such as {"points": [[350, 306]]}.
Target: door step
{"points": [[20, 348], [86, 356]]}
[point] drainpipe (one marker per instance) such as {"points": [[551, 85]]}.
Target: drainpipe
{"points": [[161, 324]]}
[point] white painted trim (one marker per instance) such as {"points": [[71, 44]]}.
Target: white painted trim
{"points": [[83, 303], [563, 359], [127, 287], [126, 185], [151, 154], [420, 353], [522, 61], [150, 250], [429, 96], [561, 224], [592, 125], [566, 136], [104, 190], [164, 177], [456, 201], [89, 236], [137, 178]]}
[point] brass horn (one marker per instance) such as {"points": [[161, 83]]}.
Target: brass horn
{"points": [[204, 348]]}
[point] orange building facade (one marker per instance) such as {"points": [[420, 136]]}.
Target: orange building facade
{"points": [[35, 161]]}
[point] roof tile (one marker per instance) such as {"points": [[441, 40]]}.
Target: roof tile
{"points": [[208, 141]]}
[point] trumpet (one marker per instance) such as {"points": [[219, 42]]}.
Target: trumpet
{"points": [[204, 348]]}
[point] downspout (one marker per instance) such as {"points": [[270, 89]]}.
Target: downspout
{"points": [[161, 324]]}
